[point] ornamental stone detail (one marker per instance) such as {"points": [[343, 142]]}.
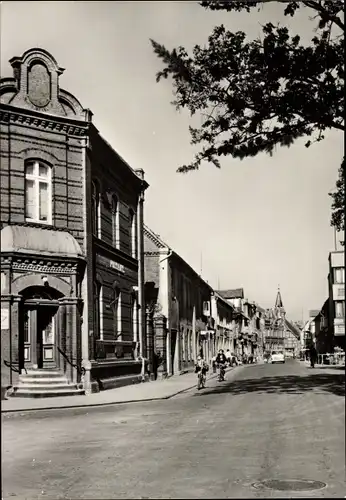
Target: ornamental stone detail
{"points": [[44, 267]]}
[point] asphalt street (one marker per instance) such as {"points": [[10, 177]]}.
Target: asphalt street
{"points": [[280, 422]]}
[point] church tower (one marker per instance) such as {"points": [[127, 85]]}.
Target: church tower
{"points": [[279, 314], [279, 309]]}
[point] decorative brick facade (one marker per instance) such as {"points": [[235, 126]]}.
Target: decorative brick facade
{"points": [[46, 132]]}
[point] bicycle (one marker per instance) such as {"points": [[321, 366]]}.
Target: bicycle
{"points": [[222, 372], [201, 379]]}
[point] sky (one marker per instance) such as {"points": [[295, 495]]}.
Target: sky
{"points": [[256, 223]]}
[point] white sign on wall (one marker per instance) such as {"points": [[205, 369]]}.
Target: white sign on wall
{"points": [[5, 318], [110, 263]]}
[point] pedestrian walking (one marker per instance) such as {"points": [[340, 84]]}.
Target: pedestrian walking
{"points": [[228, 357], [313, 356]]}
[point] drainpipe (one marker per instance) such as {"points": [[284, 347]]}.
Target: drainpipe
{"points": [[167, 256], [140, 257], [167, 347]]}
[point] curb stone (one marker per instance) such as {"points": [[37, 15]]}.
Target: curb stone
{"points": [[111, 403]]}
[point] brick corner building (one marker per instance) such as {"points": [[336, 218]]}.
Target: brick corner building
{"points": [[72, 266]]}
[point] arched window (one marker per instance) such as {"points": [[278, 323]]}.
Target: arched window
{"points": [[98, 310], [132, 233], [116, 308], [115, 222], [38, 192], [95, 209]]}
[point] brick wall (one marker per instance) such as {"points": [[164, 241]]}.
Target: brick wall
{"points": [[20, 143], [114, 176], [151, 269]]}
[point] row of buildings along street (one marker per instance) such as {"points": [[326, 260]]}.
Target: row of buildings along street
{"points": [[325, 328], [90, 295]]}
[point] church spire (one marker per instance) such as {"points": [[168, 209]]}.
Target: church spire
{"points": [[278, 302]]}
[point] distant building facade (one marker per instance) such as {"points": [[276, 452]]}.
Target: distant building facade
{"points": [[223, 313], [71, 237], [245, 338], [336, 286], [323, 332], [182, 323]]}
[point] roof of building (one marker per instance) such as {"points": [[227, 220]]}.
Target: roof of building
{"points": [[45, 242], [155, 238], [235, 293], [223, 300], [158, 241], [278, 302], [293, 329]]}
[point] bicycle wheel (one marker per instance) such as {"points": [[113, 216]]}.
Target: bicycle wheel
{"points": [[198, 382]]}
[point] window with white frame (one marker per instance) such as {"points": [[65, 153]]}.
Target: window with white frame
{"points": [[133, 305], [132, 232], [38, 192], [115, 222], [339, 308], [116, 308], [95, 209], [339, 275], [98, 310]]}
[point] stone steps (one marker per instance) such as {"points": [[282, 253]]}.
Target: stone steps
{"points": [[45, 384]]}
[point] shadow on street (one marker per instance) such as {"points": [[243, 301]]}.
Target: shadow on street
{"points": [[283, 384]]}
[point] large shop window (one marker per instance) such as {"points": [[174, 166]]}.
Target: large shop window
{"points": [[133, 228], [95, 209], [38, 192]]}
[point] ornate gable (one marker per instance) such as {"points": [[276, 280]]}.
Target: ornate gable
{"points": [[35, 86]]}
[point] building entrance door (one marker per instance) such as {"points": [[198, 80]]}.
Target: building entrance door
{"points": [[39, 335]]}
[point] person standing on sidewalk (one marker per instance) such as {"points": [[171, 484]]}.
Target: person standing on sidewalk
{"points": [[228, 357], [313, 356]]}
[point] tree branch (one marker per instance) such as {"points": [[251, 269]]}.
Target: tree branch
{"points": [[312, 4]]}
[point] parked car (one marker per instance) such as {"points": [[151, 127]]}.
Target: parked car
{"points": [[277, 357]]}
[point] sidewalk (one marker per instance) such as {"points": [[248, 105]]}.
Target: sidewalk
{"points": [[328, 369], [148, 391]]}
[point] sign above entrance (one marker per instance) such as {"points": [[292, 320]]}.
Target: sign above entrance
{"points": [[110, 263], [204, 333]]}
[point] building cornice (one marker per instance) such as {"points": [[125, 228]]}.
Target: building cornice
{"points": [[41, 121], [40, 264]]}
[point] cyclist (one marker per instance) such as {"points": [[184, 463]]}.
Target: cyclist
{"points": [[221, 361], [201, 370]]}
